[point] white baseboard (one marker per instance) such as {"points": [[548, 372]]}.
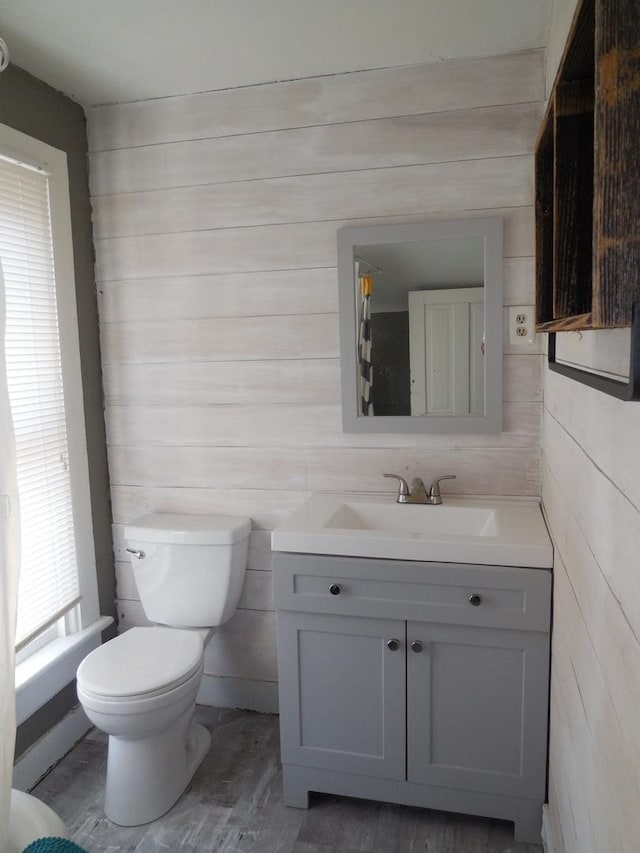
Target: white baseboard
{"points": [[547, 834], [46, 752], [249, 695]]}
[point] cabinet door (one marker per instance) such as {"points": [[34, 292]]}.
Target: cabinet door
{"points": [[342, 693], [477, 708]]}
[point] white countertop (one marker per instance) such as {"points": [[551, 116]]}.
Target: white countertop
{"points": [[486, 531]]}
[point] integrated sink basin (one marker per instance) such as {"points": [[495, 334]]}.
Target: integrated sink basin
{"points": [[483, 531], [412, 520]]}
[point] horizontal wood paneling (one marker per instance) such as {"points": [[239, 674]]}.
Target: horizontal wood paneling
{"points": [[602, 426], [263, 248], [412, 90], [266, 247], [609, 630], [252, 339], [486, 470], [462, 185], [222, 339], [518, 273], [592, 502], [609, 520], [522, 378], [253, 294], [302, 381], [245, 647], [216, 223], [257, 593], [592, 806], [230, 250], [267, 507], [291, 426], [596, 688], [398, 141], [228, 692]]}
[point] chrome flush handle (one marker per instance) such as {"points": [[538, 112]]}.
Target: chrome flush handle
{"points": [[138, 554]]}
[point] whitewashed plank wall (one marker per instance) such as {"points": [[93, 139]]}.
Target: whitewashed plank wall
{"points": [[215, 222], [591, 495]]}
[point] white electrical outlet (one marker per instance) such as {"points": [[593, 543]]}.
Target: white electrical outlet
{"points": [[522, 329]]}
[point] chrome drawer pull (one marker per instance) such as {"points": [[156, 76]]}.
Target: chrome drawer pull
{"points": [[475, 600], [335, 589]]}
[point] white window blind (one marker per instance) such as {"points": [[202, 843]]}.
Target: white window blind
{"points": [[48, 576]]}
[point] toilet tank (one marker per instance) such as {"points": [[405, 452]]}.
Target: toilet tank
{"points": [[189, 569]]}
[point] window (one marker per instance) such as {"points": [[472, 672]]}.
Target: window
{"points": [[58, 587], [49, 573]]}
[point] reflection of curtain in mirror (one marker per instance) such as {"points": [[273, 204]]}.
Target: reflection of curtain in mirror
{"points": [[365, 378]]}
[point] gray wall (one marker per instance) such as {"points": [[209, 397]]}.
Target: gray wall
{"points": [[32, 107]]}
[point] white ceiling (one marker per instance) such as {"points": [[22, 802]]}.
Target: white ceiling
{"points": [[105, 51]]}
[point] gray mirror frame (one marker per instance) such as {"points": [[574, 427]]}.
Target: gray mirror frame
{"points": [[490, 229]]}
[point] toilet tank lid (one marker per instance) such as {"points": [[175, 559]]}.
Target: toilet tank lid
{"points": [[183, 529]]}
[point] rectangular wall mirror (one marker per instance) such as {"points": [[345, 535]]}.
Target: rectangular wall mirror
{"points": [[421, 326]]}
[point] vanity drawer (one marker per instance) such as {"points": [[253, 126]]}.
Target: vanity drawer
{"points": [[453, 593]]}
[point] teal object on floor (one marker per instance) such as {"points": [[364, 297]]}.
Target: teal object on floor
{"points": [[53, 845]]}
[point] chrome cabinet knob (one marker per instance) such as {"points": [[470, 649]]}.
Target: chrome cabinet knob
{"points": [[417, 646], [393, 645], [335, 589], [475, 600]]}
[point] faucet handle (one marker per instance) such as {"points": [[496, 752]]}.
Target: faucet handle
{"points": [[434, 488], [403, 486]]}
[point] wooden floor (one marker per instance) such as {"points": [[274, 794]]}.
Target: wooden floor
{"points": [[234, 804]]}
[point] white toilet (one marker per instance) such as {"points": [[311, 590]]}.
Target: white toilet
{"points": [[140, 688]]}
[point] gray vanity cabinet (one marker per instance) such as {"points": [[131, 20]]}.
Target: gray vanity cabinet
{"points": [[344, 692], [476, 709], [416, 683]]}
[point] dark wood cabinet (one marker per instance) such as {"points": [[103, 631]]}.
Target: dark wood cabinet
{"points": [[588, 175]]}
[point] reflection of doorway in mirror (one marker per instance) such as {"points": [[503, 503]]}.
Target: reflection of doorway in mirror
{"points": [[446, 351], [390, 366]]}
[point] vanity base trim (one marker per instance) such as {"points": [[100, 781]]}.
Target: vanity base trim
{"points": [[526, 814]]}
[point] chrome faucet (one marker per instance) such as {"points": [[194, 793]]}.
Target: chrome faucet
{"points": [[418, 494]]}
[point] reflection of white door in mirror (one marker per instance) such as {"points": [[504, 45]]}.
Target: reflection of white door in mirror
{"points": [[446, 349]]}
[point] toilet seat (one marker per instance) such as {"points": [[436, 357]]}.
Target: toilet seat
{"points": [[141, 663]]}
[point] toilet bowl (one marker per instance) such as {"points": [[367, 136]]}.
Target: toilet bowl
{"points": [[140, 688]]}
